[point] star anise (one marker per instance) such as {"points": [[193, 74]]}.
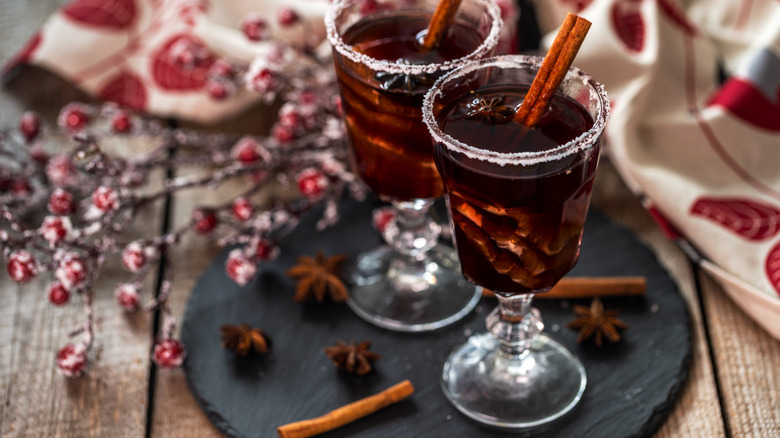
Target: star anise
{"points": [[352, 357], [319, 276], [403, 81], [597, 323], [243, 339], [491, 111]]}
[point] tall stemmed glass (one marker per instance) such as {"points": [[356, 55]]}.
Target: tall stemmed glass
{"points": [[413, 283], [517, 199]]}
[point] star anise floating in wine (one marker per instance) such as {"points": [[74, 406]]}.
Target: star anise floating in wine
{"points": [[319, 277], [402, 81], [597, 323], [243, 339], [354, 357], [491, 111]]}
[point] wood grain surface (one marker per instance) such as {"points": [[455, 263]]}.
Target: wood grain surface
{"points": [[733, 389]]}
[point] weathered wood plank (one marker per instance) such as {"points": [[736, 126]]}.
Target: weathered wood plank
{"points": [[36, 400], [697, 412], [747, 362], [111, 399], [176, 413]]}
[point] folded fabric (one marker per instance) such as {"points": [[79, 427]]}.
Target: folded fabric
{"points": [[701, 149], [131, 51]]}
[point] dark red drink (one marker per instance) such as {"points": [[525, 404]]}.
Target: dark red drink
{"points": [[517, 226], [391, 148]]}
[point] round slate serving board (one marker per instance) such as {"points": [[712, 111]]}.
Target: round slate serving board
{"points": [[632, 385]]}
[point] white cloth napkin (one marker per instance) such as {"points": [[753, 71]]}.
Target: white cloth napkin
{"points": [[703, 153]]}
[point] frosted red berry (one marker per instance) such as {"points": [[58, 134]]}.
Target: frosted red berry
{"points": [[265, 250], [60, 170], [20, 187], [72, 360], [254, 27], [312, 183], [22, 266], [246, 150], [105, 199], [71, 270], [58, 294], [204, 220], [39, 154], [239, 268], [121, 122], [30, 125], [382, 217], [284, 134], [133, 257], [287, 16], [127, 296], [263, 80], [242, 209], [60, 202], [169, 354], [289, 116], [222, 68], [217, 89], [73, 118], [54, 229]]}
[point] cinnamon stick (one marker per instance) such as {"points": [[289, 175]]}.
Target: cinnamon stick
{"points": [[554, 67], [441, 20], [347, 414], [588, 287]]}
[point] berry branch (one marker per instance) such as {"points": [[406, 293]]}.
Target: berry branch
{"points": [[65, 213]]}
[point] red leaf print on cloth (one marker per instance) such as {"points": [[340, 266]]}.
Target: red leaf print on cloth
{"points": [[629, 24], [181, 64], [755, 98], [112, 14], [23, 55], [750, 219], [125, 89], [773, 267]]}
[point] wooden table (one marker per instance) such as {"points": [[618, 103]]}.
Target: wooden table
{"points": [[733, 388]]}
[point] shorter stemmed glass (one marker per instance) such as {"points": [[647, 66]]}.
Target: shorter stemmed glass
{"points": [[517, 199]]}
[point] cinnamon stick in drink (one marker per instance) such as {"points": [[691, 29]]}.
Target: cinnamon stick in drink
{"points": [[440, 21], [554, 67]]}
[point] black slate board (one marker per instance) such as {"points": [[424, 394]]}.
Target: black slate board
{"points": [[632, 385]]}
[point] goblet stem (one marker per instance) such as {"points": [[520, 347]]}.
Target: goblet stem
{"points": [[514, 323], [412, 235], [414, 232], [413, 283], [515, 376]]}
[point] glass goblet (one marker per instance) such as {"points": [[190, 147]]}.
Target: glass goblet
{"points": [[517, 199], [413, 283]]}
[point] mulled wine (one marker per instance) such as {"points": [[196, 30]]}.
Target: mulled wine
{"points": [[518, 195], [517, 227], [387, 54], [391, 149]]}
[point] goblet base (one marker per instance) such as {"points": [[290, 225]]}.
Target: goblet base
{"points": [[508, 391], [411, 295]]}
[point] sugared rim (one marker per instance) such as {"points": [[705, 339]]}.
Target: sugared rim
{"points": [[583, 142], [392, 67]]}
